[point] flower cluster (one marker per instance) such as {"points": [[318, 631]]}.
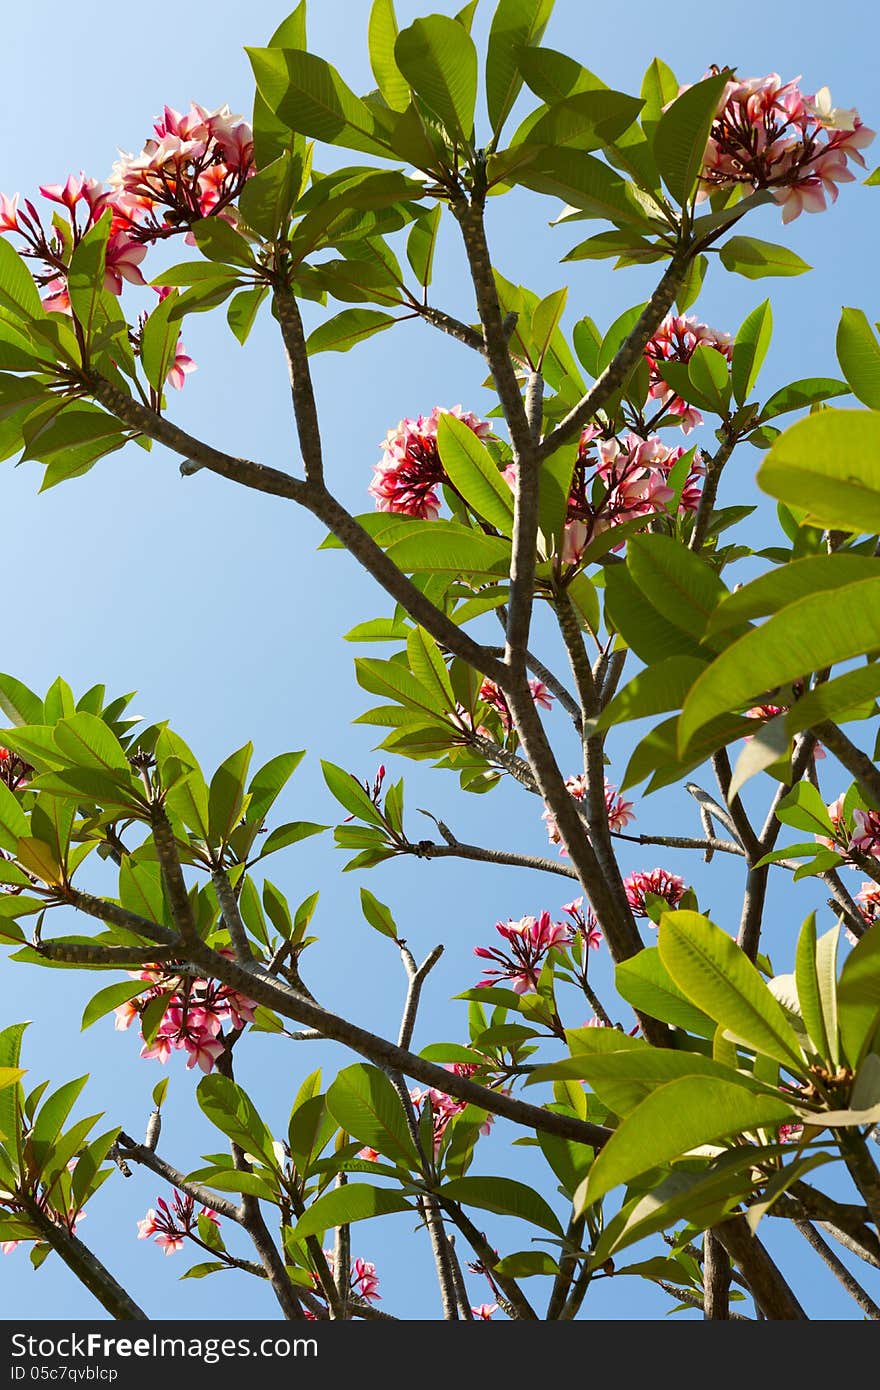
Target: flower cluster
{"points": [[676, 340], [619, 811], [14, 771], [195, 165], [768, 134], [529, 939], [659, 883], [409, 475], [194, 1015], [172, 1225], [492, 695], [621, 482]]}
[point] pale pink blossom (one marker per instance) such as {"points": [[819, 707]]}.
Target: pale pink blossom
{"points": [[768, 135]]}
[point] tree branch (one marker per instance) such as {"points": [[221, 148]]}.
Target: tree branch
{"points": [[301, 388], [133, 1152], [853, 759], [839, 1269], [627, 356], [769, 1288], [84, 1264]]}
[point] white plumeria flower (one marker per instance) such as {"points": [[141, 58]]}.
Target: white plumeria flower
{"points": [[832, 118]]}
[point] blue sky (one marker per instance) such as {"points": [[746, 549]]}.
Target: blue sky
{"points": [[215, 606]]}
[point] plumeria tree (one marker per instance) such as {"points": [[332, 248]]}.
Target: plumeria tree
{"points": [[681, 1120]]}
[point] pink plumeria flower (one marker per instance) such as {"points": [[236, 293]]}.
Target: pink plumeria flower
{"points": [[8, 214], [657, 882], [530, 939], [369, 1155], [541, 695], [180, 368], [483, 1312], [68, 193], [409, 475]]}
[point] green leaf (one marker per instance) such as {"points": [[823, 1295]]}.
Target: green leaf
{"points": [[378, 915], [503, 1196], [816, 976], [708, 371], [799, 394], [670, 1122], [311, 98], [266, 201], [757, 259], [654, 690], [356, 1201], [585, 120], [682, 134], [785, 585], [677, 582], [651, 636], [474, 474], [750, 349], [88, 742], [345, 330], [644, 982], [382, 35], [231, 1109], [526, 1263], [310, 1130], [243, 309], [350, 794], [716, 976], [19, 295], [815, 632], [858, 997], [422, 243], [108, 999], [516, 24], [13, 821], [438, 58], [51, 1116], [448, 547], [85, 279], [365, 1104], [159, 342], [266, 784], [812, 466], [554, 488], [17, 702], [622, 1080], [226, 794], [859, 356], [659, 88], [584, 182]]}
